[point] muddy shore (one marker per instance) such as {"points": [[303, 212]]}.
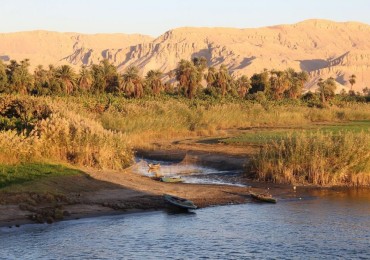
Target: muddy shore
{"points": [[102, 192]]}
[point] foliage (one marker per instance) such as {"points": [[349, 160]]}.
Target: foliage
{"points": [[104, 78], [189, 75], [326, 89], [321, 158], [45, 130], [132, 83]]}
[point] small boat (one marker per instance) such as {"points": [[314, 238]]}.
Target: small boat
{"points": [[179, 202], [263, 197], [156, 177], [153, 166], [171, 179]]}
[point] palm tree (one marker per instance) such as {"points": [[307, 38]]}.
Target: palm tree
{"points": [[279, 83], [189, 74], [183, 72], [326, 89], [41, 80], [321, 85], [85, 79], [3, 77], [296, 83], [154, 82], [66, 75], [200, 63], [352, 80], [260, 82], [223, 79], [243, 84], [210, 77], [19, 77], [105, 77], [132, 83]]}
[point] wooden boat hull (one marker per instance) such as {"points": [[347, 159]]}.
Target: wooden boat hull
{"points": [[171, 179], [263, 198], [179, 202]]}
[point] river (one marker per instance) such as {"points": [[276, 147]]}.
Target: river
{"points": [[315, 224]]}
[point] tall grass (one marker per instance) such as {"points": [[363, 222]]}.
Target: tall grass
{"points": [[166, 119], [100, 131], [321, 158], [62, 136]]}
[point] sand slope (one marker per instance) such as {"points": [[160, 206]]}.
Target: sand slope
{"points": [[323, 48]]}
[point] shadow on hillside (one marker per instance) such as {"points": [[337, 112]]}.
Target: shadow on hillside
{"points": [[311, 65]]}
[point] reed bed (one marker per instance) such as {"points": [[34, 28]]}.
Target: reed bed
{"points": [[320, 158]]}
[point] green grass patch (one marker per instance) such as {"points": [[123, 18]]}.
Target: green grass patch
{"points": [[256, 137], [353, 126], [264, 136], [22, 173]]}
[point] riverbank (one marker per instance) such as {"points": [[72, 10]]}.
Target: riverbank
{"points": [[103, 192]]}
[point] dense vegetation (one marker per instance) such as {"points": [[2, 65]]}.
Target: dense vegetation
{"points": [[41, 129], [320, 158], [192, 79], [95, 117]]}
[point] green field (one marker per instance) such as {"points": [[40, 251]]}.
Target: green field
{"points": [[21, 173], [261, 136]]}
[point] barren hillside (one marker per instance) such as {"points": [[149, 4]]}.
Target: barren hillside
{"points": [[323, 48]]}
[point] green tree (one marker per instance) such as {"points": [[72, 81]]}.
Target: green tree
{"points": [[223, 80], [243, 84], [296, 83], [326, 89], [279, 81], [41, 81], [20, 79], [132, 83], [68, 78], [3, 78], [153, 81], [105, 77], [210, 77], [190, 74], [352, 80], [85, 79], [260, 82]]}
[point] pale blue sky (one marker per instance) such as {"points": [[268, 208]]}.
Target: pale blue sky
{"points": [[157, 16]]}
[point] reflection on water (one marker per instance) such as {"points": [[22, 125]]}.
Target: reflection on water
{"points": [[307, 224], [334, 226]]}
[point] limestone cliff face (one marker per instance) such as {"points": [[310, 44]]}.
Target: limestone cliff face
{"points": [[44, 47], [322, 48]]}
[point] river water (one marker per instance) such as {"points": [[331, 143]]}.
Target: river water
{"points": [[314, 224]]}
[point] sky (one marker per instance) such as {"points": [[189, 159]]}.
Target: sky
{"points": [[154, 17]]}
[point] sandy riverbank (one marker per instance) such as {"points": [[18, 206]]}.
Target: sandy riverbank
{"points": [[101, 192]]}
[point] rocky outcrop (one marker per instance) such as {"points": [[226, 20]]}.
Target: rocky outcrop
{"points": [[322, 48]]}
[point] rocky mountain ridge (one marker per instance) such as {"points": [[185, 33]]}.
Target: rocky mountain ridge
{"points": [[322, 48]]}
